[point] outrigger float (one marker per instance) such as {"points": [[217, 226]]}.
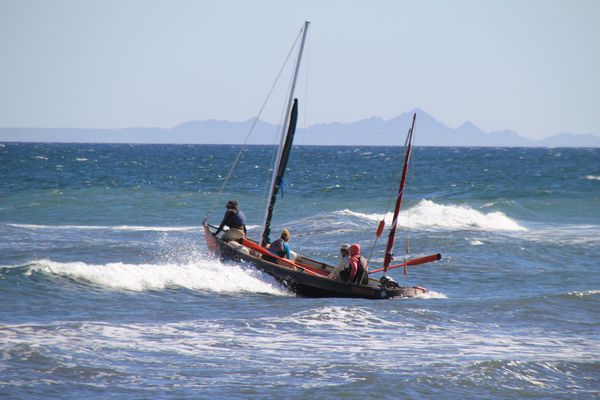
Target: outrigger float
{"points": [[305, 276]]}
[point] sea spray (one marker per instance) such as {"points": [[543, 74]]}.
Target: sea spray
{"points": [[115, 228], [204, 275]]}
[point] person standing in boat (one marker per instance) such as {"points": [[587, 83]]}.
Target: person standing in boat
{"points": [[281, 247], [235, 220]]}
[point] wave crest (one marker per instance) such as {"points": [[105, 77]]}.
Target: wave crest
{"points": [[584, 293], [428, 215], [132, 228], [205, 275]]}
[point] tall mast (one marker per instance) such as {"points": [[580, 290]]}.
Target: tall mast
{"points": [[390, 244], [278, 172]]}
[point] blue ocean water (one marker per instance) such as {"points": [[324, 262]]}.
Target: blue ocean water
{"points": [[108, 290]]}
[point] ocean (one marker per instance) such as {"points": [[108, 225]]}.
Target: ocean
{"points": [[108, 290]]}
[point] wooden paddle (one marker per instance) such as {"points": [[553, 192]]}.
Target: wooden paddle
{"points": [[410, 263]]}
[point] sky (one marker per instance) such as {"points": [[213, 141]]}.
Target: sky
{"points": [[531, 66]]}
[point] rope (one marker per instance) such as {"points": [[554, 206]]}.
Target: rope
{"points": [[282, 117], [239, 155], [305, 114]]}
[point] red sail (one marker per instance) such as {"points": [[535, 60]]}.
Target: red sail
{"points": [[390, 244]]}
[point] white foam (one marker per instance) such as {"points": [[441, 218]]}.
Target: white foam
{"points": [[431, 294], [476, 242], [428, 215], [593, 177], [340, 318], [206, 275], [396, 339], [111, 228], [584, 293]]}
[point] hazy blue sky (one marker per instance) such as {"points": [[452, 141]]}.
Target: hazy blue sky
{"points": [[530, 66]]}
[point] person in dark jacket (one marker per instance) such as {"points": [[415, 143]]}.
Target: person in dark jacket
{"points": [[235, 220]]}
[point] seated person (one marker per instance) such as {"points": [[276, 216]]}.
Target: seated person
{"points": [[280, 247], [356, 269], [343, 264], [235, 220]]}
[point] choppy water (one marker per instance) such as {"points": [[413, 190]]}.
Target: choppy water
{"points": [[108, 290]]}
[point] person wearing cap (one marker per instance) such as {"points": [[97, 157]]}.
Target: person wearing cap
{"points": [[235, 220], [344, 262], [281, 247], [354, 266]]}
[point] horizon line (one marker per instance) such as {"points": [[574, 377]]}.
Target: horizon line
{"points": [[297, 145]]}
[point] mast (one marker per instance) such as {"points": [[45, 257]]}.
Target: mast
{"points": [[287, 147], [285, 142], [390, 244]]}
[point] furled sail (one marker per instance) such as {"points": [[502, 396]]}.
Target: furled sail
{"points": [[285, 155], [390, 244]]}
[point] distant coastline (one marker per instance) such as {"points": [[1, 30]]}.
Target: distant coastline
{"points": [[366, 132]]}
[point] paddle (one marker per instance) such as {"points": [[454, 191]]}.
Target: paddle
{"points": [[410, 263], [306, 268]]}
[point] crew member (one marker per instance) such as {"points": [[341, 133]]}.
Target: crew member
{"points": [[281, 247], [235, 220]]}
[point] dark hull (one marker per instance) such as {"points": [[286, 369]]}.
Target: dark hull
{"points": [[306, 284]]}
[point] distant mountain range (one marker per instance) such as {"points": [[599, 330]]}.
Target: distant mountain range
{"points": [[371, 131]]}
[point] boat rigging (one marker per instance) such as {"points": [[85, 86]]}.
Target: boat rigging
{"points": [[303, 275]]}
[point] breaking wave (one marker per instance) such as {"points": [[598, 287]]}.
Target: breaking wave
{"points": [[584, 293], [111, 228], [428, 215], [205, 275], [430, 294]]}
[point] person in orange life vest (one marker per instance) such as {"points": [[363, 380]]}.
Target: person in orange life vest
{"points": [[357, 267]]}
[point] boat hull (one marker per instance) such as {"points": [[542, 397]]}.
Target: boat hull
{"points": [[305, 284]]}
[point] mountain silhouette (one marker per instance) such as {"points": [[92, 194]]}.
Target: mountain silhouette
{"points": [[372, 131]]}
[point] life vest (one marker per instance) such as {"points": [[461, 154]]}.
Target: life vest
{"points": [[361, 271], [354, 251], [277, 248]]}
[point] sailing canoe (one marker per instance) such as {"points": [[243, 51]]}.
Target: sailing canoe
{"points": [[305, 277]]}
